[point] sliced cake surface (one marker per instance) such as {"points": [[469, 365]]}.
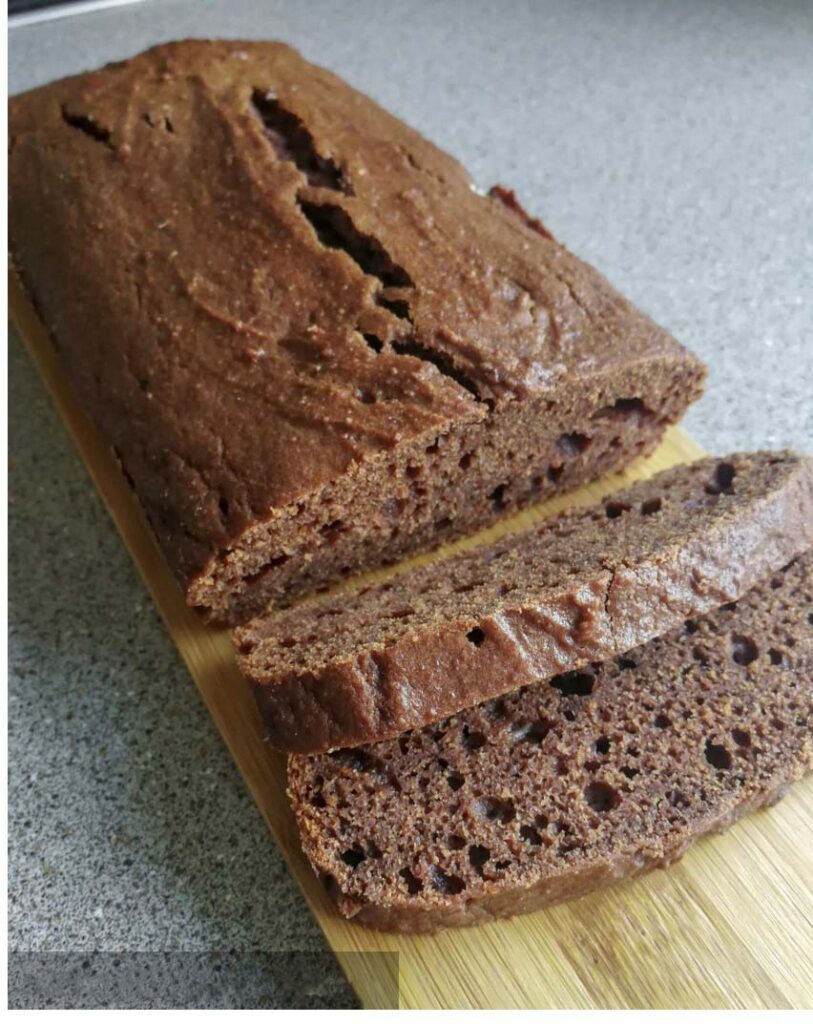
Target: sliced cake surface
{"points": [[367, 665], [312, 344], [574, 783]]}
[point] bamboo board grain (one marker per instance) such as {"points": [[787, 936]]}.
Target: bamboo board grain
{"points": [[729, 926]]}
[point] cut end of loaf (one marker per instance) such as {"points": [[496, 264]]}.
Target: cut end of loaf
{"points": [[574, 783], [445, 485]]}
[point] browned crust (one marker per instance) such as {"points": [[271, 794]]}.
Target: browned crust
{"points": [[426, 674]]}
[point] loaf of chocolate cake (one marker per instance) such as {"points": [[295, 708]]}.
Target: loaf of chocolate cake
{"points": [[311, 343]]}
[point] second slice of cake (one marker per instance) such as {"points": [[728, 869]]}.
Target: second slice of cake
{"points": [[369, 664]]}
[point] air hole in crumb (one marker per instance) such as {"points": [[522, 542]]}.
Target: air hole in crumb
{"points": [[601, 797], [466, 460], [472, 739], [717, 755], [456, 842], [288, 642], [401, 613], [353, 857], [627, 663], [334, 527], [573, 444], [530, 835], [498, 496], [357, 759], [533, 732], [475, 636], [630, 409], [630, 772], [494, 710], [365, 396], [414, 885], [743, 649], [574, 684], [723, 479], [273, 563], [741, 737], [478, 856], [455, 780], [449, 885], [775, 656], [614, 509], [442, 524], [690, 626], [700, 656], [554, 473], [541, 821], [494, 809], [602, 745], [651, 506], [662, 721]]}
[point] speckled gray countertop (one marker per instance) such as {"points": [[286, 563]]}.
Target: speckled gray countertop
{"points": [[668, 143]]}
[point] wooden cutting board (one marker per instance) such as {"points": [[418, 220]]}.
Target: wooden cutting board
{"points": [[729, 926]]}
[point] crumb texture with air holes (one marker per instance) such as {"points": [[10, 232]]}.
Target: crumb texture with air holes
{"points": [[368, 664], [573, 783], [312, 345]]}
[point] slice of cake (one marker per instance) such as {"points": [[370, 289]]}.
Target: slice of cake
{"points": [[573, 783], [593, 582]]}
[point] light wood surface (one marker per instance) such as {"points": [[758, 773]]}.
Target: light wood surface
{"points": [[731, 925]]}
